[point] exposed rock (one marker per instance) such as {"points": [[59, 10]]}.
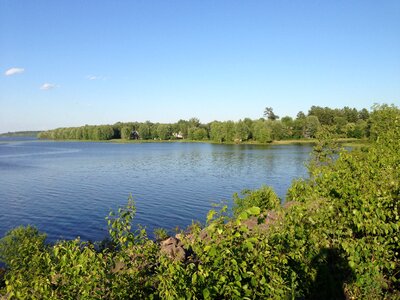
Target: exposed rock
{"points": [[204, 234], [119, 265], [253, 222], [288, 204], [179, 236], [174, 249]]}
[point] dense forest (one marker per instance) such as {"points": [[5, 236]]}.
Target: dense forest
{"points": [[346, 122], [337, 236]]}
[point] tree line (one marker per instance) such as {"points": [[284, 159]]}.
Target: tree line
{"points": [[346, 122]]}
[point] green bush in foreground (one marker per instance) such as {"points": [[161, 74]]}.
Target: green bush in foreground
{"points": [[264, 198], [337, 237]]}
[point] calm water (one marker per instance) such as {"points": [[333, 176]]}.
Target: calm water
{"points": [[67, 188]]}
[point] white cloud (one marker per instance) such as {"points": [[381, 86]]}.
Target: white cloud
{"points": [[48, 86], [95, 77], [92, 77], [13, 71]]}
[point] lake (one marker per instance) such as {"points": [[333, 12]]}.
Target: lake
{"points": [[68, 188]]}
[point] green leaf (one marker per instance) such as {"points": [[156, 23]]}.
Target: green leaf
{"points": [[243, 216], [206, 293], [210, 215], [254, 211], [249, 245], [212, 251]]}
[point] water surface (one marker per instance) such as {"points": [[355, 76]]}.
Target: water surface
{"points": [[67, 188]]}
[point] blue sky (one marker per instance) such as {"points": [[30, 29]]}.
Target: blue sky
{"points": [[71, 63]]}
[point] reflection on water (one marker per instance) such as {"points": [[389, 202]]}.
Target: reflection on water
{"points": [[67, 188]]}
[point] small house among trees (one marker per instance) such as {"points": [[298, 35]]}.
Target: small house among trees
{"points": [[134, 135], [177, 135]]}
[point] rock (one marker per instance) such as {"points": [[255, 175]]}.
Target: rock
{"points": [[174, 249], [253, 222], [204, 235], [119, 265], [179, 236]]}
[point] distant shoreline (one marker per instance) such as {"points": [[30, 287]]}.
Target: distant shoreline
{"points": [[20, 134], [344, 141]]}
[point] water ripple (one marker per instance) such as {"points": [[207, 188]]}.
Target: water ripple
{"points": [[67, 189]]}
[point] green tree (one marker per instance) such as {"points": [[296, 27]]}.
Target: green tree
{"points": [[363, 114], [145, 130], [311, 126], [242, 131], [217, 132], [126, 132], [229, 131], [249, 124], [269, 114], [183, 127], [261, 132], [197, 134], [360, 130], [300, 115], [288, 127], [194, 122], [299, 128], [277, 129], [325, 115], [340, 123], [350, 114], [164, 131]]}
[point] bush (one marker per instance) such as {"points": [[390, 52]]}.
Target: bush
{"points": [[264, 198], [20, 245]]}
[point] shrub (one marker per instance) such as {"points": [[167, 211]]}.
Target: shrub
{"points": [[19, 245], [264, 198]]}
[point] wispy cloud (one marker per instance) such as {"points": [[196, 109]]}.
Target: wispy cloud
{"points": [[13, 71], [92, 77], [95, 77], [48, 86]]}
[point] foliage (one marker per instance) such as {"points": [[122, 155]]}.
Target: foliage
{"points": [[217, 132], [27, 240], [269, 114], [160, 234], [261, 132], [358, 215], [263, 198], [349, 122], [126, 132], [242, 131], [195, 133], [231, 263], [76, 269]]}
